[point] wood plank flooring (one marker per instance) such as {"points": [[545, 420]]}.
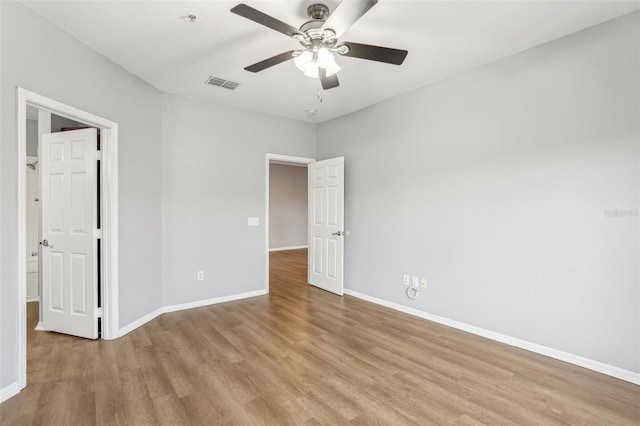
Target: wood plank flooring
{"points": [[303, 356]]}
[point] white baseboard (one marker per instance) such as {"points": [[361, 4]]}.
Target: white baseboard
{"points": [[40, 327], [9, 391], [600, 367], [288, 248], [33, 299], [190, 305], [139, 322], [213, 301]]}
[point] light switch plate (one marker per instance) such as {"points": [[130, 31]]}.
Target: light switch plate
{"points": [[253, 221], [415, 282], [405, 280]]}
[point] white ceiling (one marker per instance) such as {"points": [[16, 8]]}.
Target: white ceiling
{"points": [[155, 41]]}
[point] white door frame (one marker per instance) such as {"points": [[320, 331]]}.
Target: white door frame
{"points": [[269, 158], [109, 215]]}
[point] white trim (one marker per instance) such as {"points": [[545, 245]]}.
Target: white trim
{"points": [[288, 248], [600, 367], [109, 224], [8, 391], [277, 159], [44, 127], [189, 305], [40, 327], [288, 159], [33, 299], [287, 163], [21, 107], [213, 301], [139, 322], [109, 219]]}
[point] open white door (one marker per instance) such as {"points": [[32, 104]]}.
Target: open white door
{"points": [[326, 222], [69, 221]]}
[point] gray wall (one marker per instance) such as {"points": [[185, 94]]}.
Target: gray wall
{"points": [[58, 123], [32, 138], [40, 57], [495, 185], [214, 179], [287, 206]]}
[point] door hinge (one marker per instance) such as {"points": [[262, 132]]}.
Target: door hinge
{"points": [[98, 233], [99, 313], [99, 155]]}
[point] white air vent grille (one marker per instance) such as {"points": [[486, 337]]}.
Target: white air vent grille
{"points": [[221, 82]]}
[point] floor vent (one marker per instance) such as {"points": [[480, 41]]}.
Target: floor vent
{"points": [[221, 82]]}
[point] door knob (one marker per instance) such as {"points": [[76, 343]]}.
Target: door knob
{"points": [[45, 243], [337, 234]]}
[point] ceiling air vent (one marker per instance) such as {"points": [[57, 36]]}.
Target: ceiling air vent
{"points": [[221, 82]]}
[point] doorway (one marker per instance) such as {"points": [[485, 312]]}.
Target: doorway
{"points": [[288, 220], [288, 207], [109, 220], [288, 170]]}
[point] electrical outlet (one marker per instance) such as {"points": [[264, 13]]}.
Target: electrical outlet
{"points": [[200, 276], [416, 282], [405, 280], [423, 283], [253, 221]]}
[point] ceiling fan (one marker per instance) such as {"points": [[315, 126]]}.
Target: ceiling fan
{"points": [[319, 40]]}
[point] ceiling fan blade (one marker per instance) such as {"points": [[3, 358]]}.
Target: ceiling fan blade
{"points": [[328, 82], [263, 19], [274, 60], [375, 53], [346, 14]]}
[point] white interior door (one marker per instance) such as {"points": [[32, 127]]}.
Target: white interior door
{"points": [[326, 224], [69, 220]]}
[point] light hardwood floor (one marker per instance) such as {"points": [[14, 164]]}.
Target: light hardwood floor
{"points": [[306, 357]]}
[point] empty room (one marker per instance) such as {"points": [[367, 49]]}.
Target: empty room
{"points": [[342, 212]]}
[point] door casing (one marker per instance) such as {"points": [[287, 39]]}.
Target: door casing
{"points": [[109, 217]]}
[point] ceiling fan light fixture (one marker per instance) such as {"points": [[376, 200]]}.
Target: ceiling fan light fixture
{"points": [[303, 60], [312, 70], [324, 57], [327, 61], [310, 62]]}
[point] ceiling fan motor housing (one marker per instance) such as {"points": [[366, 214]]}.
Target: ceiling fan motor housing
{"points": [[314, 36], [318, 12]]}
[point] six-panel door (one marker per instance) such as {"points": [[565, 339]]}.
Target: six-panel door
{"points": [[69, 216], [326, 223]]}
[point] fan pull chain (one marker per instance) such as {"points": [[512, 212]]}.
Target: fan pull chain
{"points": [[319, 92]]}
